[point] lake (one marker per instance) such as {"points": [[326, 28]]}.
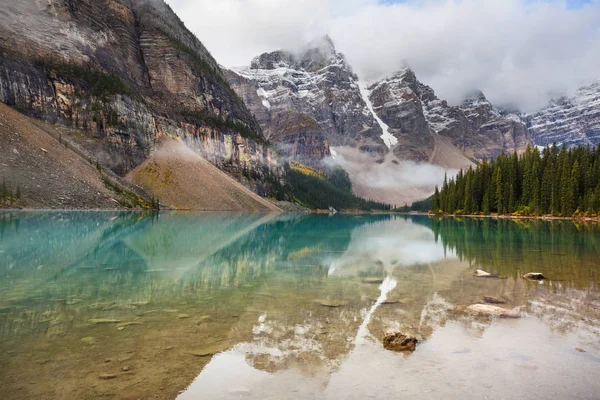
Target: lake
{"points": [[221, 306]]}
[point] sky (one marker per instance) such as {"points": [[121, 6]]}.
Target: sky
{"points": [[520, 53]]}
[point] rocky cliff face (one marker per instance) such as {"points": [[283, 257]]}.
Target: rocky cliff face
{"points": [[126, 72], [397, 111], [571, 121], [416, 116], [318, 82]]}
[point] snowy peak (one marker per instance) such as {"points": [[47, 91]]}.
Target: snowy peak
{"points": [[415, 115], [316, 81], [474, 99], [572, 121], [316, 55]]}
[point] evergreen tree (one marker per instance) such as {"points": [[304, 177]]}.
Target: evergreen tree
{"points": [[436, 199], [499, 190], [559, 182]]}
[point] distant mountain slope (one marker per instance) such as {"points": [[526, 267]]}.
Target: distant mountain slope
{"points": [[49, 174], [182, 179], [571, 121]]}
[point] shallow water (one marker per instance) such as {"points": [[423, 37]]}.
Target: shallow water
{"points": [[203, 306]]}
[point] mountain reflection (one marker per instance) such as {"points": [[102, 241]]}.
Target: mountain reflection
{"points": [[286, 295]]}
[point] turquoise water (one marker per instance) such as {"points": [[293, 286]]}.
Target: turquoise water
{"points": [[192, 305]]}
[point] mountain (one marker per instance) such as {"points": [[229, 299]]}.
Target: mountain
{"points": [[316, 81], [122, 76], [573, 121], [419, 119], [397, 112]]}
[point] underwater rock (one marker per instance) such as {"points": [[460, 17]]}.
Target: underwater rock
{"points": [[332, 303], [89, 340], [534, 276], [97, 321], [373, 280], [486, 310], [482, 273], [209, 350], [493, 300], [183, 316], [398, 341], [126, 324]]}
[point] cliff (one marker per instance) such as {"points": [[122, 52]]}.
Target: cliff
{"points": [[124, 74]]}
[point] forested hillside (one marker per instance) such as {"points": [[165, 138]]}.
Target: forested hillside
{"points": [[557, 181]]}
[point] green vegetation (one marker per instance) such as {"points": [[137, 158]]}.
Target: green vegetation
{"points": [[8, 197], [100, 83], [318, 190], [130, 199], [213, 121], [558, 182], [420, 206]]}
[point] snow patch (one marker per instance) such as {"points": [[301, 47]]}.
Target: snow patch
{"points": [[262, 93], [389, 139]]}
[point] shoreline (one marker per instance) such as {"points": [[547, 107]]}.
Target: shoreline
{"points": [[516, 217]]}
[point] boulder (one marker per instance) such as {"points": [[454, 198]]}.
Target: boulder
{"points": [[398, 341], [486, 310], [534, 276]]}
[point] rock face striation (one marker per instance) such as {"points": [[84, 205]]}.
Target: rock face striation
{"points": [[573, 121], [126, 73]]}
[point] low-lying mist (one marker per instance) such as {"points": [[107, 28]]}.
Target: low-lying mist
{"points": [[393, 182]]}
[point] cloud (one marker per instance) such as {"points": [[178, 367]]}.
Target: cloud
{"points": [[519, 52], [395, 183]]}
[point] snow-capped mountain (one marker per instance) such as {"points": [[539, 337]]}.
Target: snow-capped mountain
{"points": [[419, 119], [571, 121], [317, 82]]}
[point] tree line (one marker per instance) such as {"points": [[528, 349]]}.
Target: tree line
{"points": [[556, 181]]}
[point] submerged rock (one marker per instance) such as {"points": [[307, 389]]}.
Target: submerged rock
{"points": [[131, 323], [534, 276], [486, 310], [332, 303], [493, 300], [209, 350], [373, 280], [97, 321], [89, 340], [398, 341], [483, 274], [183, 316]]}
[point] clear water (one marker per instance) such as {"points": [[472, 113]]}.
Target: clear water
{"points": [[220, 306]]}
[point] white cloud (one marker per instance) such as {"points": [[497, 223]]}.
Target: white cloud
{"points": [[516, 51]]}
